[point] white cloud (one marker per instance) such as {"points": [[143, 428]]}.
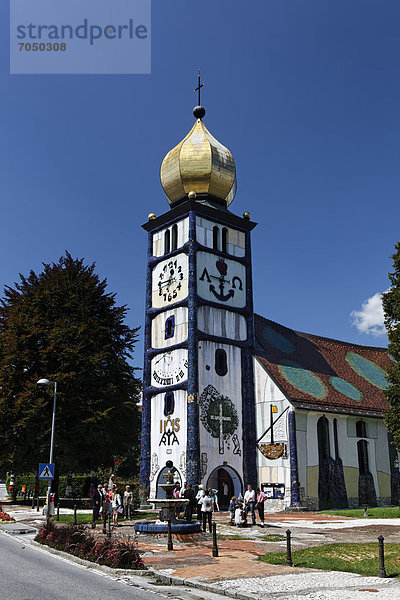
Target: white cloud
{"points": [[370, 319]]}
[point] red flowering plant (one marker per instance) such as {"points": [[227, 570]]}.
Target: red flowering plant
{"points": [[5, 517], [75, 540]]}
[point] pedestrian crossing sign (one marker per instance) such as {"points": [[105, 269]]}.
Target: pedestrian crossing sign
{"points": [[46, 471]]}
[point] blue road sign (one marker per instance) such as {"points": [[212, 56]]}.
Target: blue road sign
{"points": [[46, 471]]}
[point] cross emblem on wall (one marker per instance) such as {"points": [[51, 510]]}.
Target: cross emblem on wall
{"points": [[220, 417]]}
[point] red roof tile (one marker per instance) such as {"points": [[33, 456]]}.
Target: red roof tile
{"points": [[317, 372]]}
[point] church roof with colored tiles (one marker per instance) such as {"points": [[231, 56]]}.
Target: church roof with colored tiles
{"points": [[316, 372]]}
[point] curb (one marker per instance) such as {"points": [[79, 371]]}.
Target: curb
{"points": [[88, 563], [161, 577]]}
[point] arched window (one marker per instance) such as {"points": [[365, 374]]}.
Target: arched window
{"points": [[362, 450], [361, 430], [167, 241], [335, 439], [224, 239], [323, 438], [221, 363], [215, 238], [169, 403], [170, 327], [174, 239]]}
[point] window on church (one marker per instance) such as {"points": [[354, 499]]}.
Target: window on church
{"points": [[335, 439], [323, 438], [174, 238], [169, 403], [221, 363], [224, 239], [362, 451], [361, 430], [215, 238], [167, 242], [170, 327]]}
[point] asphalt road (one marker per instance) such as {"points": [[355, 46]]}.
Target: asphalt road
{"points": [[27, 573]]}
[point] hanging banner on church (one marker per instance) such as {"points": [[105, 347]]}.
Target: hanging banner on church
{"points": [[273, 451]]}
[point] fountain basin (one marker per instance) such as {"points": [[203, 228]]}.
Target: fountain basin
{"points": [[154, 527]]}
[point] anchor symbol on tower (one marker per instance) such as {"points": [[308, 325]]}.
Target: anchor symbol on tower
{"points": [[222, 268]]}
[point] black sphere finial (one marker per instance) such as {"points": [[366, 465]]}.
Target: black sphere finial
{"points": [[199, 112]]}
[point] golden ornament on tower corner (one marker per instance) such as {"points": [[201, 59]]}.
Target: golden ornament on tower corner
{"points": [[192, 195], [246, 215], [151, 216], [200, 164]]}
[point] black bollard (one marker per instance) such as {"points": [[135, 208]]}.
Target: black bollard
{"points": [[289, 561], [109, 526], [75, 519], [365, 511], [381, 572], [170, 545], [94, 519], [58, 512], [37, 504], [214, 534], [33, 502]]}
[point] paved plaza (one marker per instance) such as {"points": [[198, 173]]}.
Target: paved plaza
{"points": [[237, 572]]}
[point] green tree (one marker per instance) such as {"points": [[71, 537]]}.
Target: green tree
{"points": [[391, 307], [63, 325]]}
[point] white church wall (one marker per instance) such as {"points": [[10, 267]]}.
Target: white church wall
{"points": [[168, 436], [220, 322], [272, 472], [182, 238], [180, 328], [220, 398], [235, 239], [377, 447]]}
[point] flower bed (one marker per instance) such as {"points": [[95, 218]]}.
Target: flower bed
{"points": [[75, 540], [5, 517]]}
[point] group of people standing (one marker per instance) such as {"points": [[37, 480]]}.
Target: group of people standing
{"points": [[108, 502], [206, 502], [240, 507]]}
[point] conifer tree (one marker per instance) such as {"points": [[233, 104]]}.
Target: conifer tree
{"points": [[391, 307], [63, 325]]}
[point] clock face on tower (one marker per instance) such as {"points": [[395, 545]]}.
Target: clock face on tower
{"points": [[170, 281], [169, 368]]}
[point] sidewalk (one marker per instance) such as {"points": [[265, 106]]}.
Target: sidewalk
{"points": [[237, 572]]}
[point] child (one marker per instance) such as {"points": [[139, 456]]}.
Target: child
{"points": [[232, 509], [240, 516]]}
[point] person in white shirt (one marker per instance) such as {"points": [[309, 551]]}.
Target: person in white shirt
{"points": [[206, 510], [250, 503], [199, 496]]}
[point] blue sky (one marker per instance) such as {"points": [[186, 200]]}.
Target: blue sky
{"points": [[305, 94]]}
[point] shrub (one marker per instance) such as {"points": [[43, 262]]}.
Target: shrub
{"points": [[75, 540]]}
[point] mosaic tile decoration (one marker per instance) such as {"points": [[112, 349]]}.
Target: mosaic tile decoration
{"points": [[345, 388], [302, 379], [277, 340], [367, 369], [321, 371]]}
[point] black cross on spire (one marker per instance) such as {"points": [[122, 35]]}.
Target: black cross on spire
{"points": [[199, 86]]}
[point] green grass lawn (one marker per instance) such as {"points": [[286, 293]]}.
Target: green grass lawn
{"points": [[354, 558], [380, 512], [84, 519]]}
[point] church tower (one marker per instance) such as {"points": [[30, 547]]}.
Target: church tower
{"points": [[198, 388]]}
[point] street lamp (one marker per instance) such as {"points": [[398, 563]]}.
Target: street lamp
{"points": [[47, 382]]}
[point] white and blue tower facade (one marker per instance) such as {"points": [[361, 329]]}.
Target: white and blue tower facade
{"points": [[198, 387]]}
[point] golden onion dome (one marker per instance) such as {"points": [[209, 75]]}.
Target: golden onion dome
{"points": [[199, 164]]}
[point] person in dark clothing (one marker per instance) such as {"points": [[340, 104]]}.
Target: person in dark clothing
{"points": [[189, 495], [97, 498]]}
